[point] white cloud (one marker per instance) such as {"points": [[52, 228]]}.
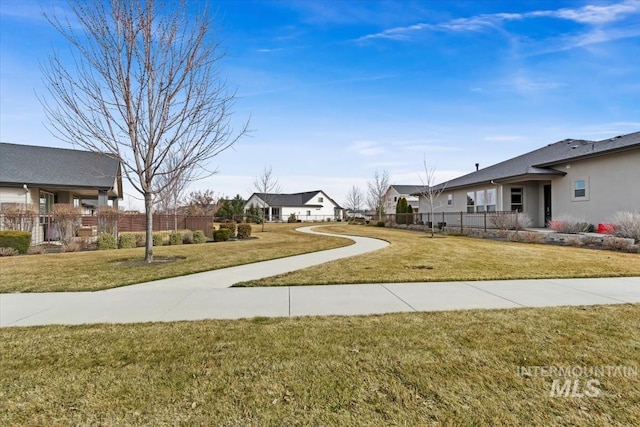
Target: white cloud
{"points": [[367, 148], [590, 14]]}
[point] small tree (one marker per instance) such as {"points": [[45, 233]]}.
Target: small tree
{"points": [[401, 211], [430, 191], [19, 218], [267, 187], [408, 214], [201, 202], [354, 199], [377, 189]]}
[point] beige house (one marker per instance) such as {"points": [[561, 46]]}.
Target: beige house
{"points": [[586, 180], [396, 192], [38, 177]]}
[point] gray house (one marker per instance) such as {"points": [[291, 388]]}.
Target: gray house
{"points": [[588, 180], [41, 176]]}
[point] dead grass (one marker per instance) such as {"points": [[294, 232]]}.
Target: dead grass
{"points": [[445, 369], [416, 257], [90, 271]]}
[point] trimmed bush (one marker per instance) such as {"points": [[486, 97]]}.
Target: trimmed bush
{"points": [[175, 238], [106, 241], [231, 226], [380, 224], [158, 239], [222, 235], [199, 237], [292, 218], [244, 231], [187, 237], [18, 240], [126, 241]]}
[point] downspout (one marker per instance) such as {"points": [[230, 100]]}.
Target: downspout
{"points": [[500, 201]]}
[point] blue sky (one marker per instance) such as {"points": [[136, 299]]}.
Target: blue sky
{"points": [[336, 90]]}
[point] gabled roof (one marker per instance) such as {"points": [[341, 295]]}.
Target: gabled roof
{"points": [[407, 189], [57, 167], [292, 200], [540, 162]]}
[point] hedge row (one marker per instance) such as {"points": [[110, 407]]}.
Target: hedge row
{"points": [[18, 240]]}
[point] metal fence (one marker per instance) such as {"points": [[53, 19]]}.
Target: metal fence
{"points": [[478, 220]]}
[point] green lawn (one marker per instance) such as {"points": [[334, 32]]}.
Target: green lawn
{"points": [[95, 270], [444, 369], [416, 257]]}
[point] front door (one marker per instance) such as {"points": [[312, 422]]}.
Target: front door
{"points": [[547, 204]]}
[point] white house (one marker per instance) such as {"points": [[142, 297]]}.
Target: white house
{"points": [[308, 206], [396, 192]]}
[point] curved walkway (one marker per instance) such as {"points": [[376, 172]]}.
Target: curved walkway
{"points": [[206, 296]]}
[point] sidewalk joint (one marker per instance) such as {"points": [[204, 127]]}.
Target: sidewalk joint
{"points": [[406, 303]]}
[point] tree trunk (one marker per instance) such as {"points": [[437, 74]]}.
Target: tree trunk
{"points": [[148, 254]]}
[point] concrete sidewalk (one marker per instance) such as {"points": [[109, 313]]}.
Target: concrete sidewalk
{"points": [[124, 306], [208, 296]]}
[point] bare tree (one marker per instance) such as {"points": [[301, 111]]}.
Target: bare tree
{"points": [[430, 191], [376, 191], [171, 183], [266, 186], [143, 86], [202, 202], [354, 199]]}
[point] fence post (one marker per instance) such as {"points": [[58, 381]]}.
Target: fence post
{"points": [[461, 226], [485, 221]]}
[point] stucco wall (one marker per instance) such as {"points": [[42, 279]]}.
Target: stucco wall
{"points": [[613, 186]]}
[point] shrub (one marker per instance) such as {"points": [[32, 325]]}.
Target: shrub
{"points": [[222, 235], [36, 250], [141, 239], [106, 241], [628, 225], [244, 231], [292, 218], [126, 241], [231, 226], [8, 252], [570, 225], [380, 224], [187, 237], [108, 218], [18, 240], [19, 218], [617, 244], [158, 239], [532, 237], [515, 237], [511, 221], [67, 220], [175, 238], [199, 237], [72, 246]]}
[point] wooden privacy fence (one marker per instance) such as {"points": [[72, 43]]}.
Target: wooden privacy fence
{"points": [[161, 222]]}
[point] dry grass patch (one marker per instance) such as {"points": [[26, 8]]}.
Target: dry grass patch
{"points": [[90, 271], [448, 368], [416, 257]]}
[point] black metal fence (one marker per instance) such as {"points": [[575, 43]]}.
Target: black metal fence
{"points": [[462, 220]]}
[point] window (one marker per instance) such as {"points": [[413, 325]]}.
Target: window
{"points": [[491, 200], [46, 203], [480, 203], [580, 189], [308, 213], [517, 199], [471, 202], [450, 200], [320, 199]]}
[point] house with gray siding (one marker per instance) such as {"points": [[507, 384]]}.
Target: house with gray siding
{"points": [[582, 179], [38, 177], [396, 192]]}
